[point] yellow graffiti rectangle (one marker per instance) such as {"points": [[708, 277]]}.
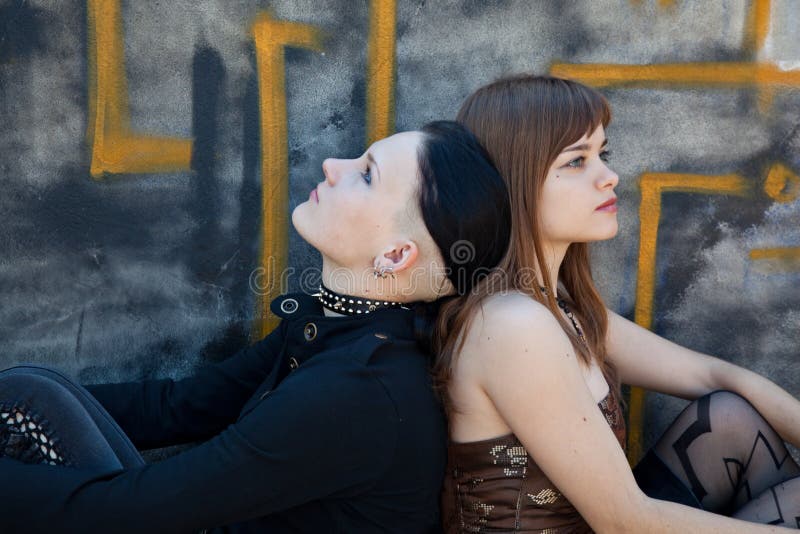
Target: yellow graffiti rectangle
{"points": [[652, 187], [777, 260], [381, 70], [756, 26], [270, 37], [115, 148], [694, 74]]}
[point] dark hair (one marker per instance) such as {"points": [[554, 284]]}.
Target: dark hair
{"points": [[465, 205], [464, 202]]}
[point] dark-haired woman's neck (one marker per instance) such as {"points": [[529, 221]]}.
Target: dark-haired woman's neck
{"points": [[426, 280], [360, 283], [347, 281]]}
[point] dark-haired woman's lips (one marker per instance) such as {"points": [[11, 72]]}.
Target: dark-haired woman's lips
{"points": [[609, 206], [313, 195]]}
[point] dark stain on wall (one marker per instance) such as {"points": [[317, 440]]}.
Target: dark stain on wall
{"points": [[570, 23], [297, 154], [207, 247], [249, 220], [477, 8], [358, 101], [22, 31], [337, 120], [298, 56], [680, 253], [76, 214]]}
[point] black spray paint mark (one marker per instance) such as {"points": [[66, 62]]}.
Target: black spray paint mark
{"points": [[205, 255], [21, 31], [249, 199]]}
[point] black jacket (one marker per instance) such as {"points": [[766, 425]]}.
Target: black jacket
{"points": [[329, 424]]}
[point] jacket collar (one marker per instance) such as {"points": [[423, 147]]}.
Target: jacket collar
{"points": [[301, 310], [294, 305]]}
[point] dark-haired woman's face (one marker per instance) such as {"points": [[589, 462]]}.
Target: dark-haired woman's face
{"points": [[578, 203], [351, 217]]}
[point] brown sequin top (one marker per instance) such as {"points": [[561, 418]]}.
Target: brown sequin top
{"points": [[494, 485]]}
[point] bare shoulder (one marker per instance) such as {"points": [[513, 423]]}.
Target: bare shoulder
{"points": [[500, 311], [513, 325]]}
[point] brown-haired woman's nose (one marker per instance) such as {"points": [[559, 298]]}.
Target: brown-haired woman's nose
{"points": [[609, 178]]}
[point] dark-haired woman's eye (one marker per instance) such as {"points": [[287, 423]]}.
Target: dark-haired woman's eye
{"points": [[367, 176], [576, 163], [605, 155]]}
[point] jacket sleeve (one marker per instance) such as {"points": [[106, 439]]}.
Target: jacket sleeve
{"points": [[323, 432], [158, 413]]}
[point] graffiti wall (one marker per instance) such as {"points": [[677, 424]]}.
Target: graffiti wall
{"points": [[150, 153]]}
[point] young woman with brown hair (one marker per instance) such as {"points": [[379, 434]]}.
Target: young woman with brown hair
{"points": [[524, 371]]}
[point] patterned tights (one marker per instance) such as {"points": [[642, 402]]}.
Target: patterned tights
{"points": [[733, 461]]}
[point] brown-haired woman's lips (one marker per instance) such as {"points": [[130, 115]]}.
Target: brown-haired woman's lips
{"points": [[608, 205]]}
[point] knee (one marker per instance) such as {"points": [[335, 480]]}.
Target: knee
{"points": [[727, 396], [727, 408], [32, 370], [33, 387], [41, 376]]}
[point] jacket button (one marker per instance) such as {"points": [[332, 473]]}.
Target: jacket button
{"points": [[289, 306], [310, 332], [293, 364]]}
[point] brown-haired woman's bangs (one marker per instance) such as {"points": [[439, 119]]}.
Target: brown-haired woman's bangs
{"points": [[579, 109]]}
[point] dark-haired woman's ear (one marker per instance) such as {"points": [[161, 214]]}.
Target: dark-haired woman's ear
{"points": [[397, 257]]}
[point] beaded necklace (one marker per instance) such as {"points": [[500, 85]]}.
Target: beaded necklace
{"points": [[571, 316]]}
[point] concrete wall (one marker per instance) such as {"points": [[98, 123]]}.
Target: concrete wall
{"points": [[136, 140]]}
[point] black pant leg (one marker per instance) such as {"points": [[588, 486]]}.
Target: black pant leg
{"points": [[65, 415]]}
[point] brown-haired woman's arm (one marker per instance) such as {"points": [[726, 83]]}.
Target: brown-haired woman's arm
{"points": [[646, 360], [534, 379]]}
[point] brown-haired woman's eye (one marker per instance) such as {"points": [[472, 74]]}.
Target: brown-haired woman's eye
{"points": [[576, 163]]}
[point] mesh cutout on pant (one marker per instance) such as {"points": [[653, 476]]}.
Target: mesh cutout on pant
{"points": [[26, 436]]}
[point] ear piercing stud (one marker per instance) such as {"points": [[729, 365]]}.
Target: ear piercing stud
{"points": [[383, 272]]}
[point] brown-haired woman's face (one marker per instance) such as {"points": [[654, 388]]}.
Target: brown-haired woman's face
{"points": [[578, 203]]}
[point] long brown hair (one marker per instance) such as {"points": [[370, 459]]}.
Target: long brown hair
{"points": [[524, 122]]}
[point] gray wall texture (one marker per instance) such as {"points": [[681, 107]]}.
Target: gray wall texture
{"points": [[138, 275]]}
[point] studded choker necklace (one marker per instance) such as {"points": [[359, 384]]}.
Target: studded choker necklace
{"points": [[350, 305]]}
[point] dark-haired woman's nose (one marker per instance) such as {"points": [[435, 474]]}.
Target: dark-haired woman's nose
{"points": [[331, 169]]}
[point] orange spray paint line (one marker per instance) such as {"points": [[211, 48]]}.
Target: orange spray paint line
{"points": [[270, 37], [115, 148], [652, 187], [381, 67]]}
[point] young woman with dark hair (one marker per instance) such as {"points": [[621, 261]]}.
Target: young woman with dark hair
{"points": [[524, 372], [329, 424]]}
